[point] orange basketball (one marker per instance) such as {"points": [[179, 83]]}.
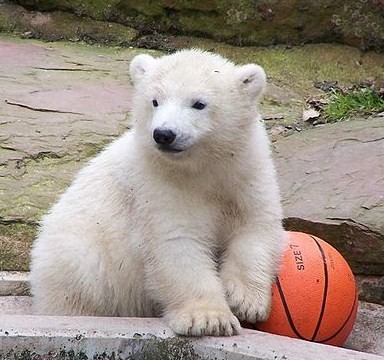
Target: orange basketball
{"points": [[315, 296]]}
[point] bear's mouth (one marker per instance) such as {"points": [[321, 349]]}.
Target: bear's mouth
{"points": [[169, 149]]}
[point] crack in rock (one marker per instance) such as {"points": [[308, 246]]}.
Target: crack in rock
{"points": [[67, 69], [352, 222], [357, 140], [14, 103]]}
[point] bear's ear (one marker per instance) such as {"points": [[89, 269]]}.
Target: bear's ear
{"points": [[139, 66], [252, 79]]}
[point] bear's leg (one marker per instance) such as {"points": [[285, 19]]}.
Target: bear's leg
{"points": [[69, 278], [182, 276], [248, 270]]}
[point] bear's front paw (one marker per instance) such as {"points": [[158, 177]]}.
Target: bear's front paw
{"points": [[248, 303], [199, 320]]}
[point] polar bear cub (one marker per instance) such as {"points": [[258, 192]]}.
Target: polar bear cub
{"points": [[181, 216]]}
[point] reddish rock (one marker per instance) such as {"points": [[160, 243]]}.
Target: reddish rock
{"points": [[371, 288]]}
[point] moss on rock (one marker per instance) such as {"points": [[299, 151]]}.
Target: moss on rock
{"points": [[262, 22], [60, 25]]}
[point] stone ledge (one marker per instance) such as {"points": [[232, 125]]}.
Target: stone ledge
{"points": [[366, 336], [14, 283], [136, 338]]}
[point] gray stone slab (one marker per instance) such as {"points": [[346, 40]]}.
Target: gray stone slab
{"points": [[367, 335], [16, 305], [332, 181], [134, 338], [68, 102], [13, 283]]}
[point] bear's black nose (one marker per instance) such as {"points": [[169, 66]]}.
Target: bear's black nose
{"points": [[163, 136]]}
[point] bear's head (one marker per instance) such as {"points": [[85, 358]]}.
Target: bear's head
{"points": [[194, 101]]}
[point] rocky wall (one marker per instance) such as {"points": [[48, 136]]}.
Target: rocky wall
{"points": [[258, 22]]}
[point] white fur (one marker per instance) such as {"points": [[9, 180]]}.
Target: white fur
{"points": [[195, 236]]}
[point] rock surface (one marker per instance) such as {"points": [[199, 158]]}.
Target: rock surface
{"points": [[59, 105], [371, 288], [52, 115], [267, 22], [62, 25], [368, 333], [332, 182]]}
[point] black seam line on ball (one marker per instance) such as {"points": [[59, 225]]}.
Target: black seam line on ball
{"points": [[345, 322], [287, 312], [325, 290]]}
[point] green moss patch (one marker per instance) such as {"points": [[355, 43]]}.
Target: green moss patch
{"points": [[343, 105], [15, 243], [344, 102]]}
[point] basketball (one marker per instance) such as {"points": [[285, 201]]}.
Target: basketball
{"points": [[315, 296]]}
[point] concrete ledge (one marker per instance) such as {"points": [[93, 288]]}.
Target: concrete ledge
{"points": [[14, 283], [147, 338], [136, 339], [15, 305]]}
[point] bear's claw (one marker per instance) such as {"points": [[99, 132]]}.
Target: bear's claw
{"points": [[203, 320]]}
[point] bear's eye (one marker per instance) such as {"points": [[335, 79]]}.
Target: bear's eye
{"points": [[155, 103], [198, 105]]}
